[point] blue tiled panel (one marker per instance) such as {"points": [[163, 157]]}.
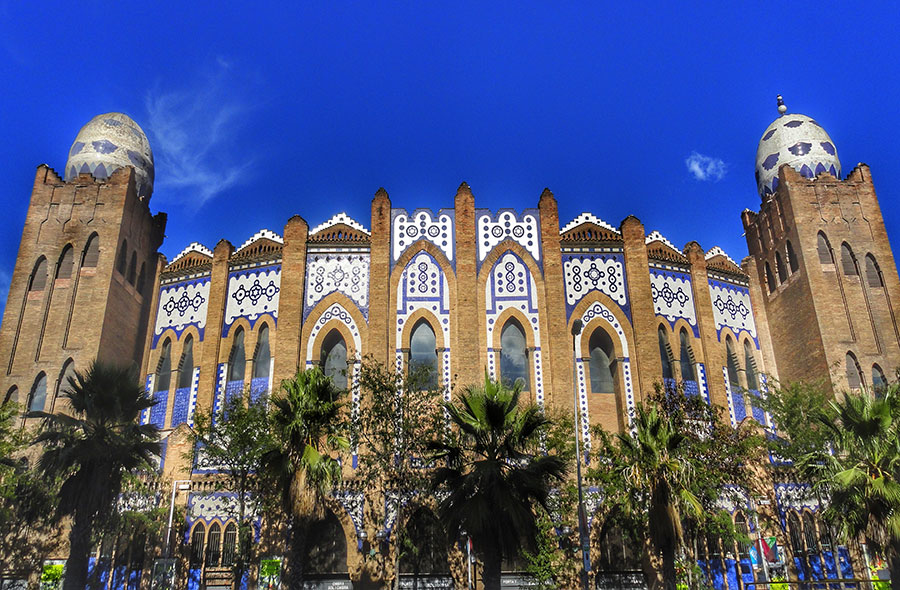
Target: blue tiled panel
{"points": [[118, 577], [740, 410], [258, 387], [846, 564], [193, 582], [731, 573], [691, 388], [746, 570], [718, 575], [758, 413], [232, 389], [181, 405], [134, 580], [158, 412]]}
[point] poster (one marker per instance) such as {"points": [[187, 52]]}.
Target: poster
{"points": [[270, 573]]}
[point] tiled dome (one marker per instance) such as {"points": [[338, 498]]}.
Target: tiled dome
{"points": [[109, 142], [796, 140]]}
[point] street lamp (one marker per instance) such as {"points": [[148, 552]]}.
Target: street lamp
{"points": [[577, 326], [183, 484]]}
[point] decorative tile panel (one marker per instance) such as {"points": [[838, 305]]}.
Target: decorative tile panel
{"points": [[353, 502], [795, 496], [220, 506], [506, 224], [329, 272], [422, 224], [600, 272], [673, 297], [181, 305], [252, 293], [732, 407], [731, 308]]}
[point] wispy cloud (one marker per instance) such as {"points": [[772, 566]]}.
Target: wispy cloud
{"points": [[706, 167], [191, 132]]}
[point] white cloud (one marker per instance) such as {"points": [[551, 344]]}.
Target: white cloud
{"points": [[706, 167], [191, 132]]}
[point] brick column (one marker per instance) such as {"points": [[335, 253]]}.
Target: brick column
{"points": [[645, 362], [468, 360], [379, 279], [212, 334], [557, 342], [713, 350], [290, 302], [154, 307]]}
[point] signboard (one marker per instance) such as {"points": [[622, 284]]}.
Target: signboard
{"points": [[270, 573], [6, 584], [162, 577], [53, 572], [336, 583], [426, 582], [517, 582]]}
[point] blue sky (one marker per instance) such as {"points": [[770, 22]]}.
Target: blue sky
{"points": [[259, 112]]}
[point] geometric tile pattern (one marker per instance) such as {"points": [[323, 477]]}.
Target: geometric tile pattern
{"points": [[252, 293], [181, 305], [732, 309], [584, 273], [507, 225], [673, 297], [346, 273], [422, 224]]}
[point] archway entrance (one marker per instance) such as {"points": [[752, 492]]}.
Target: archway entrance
{"points": [[423, 553], [324, 561]]}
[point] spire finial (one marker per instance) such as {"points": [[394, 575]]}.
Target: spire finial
{"points": [[782, 109]]}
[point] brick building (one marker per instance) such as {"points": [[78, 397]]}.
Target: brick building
{"points": [[462, 289]]}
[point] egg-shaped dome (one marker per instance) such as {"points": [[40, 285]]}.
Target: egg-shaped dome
{"points": [[796, 140], [109, 142]]}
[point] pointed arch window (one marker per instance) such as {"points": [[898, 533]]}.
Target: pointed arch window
{"points": [[750, 365], [770, 278], [122, 263], [237, 361], [793, 265], [91, 255], [514, 355], [733, 364], [848, 261], [334, 358], [796, 535], [601, 364], [66, 262], [873, 273], [12, 395], [64, 387], [879, 382], [823, 247], [132, 268], [809, 533], [38, 396], [213, 545], [198, 538], [142, 278], [685, 357], [39, 275], [423, 353], [780, 268], [262, 360], [854, 375], [164, 368], [186, 365], [741, 526], [665, 355], [229, 545]]}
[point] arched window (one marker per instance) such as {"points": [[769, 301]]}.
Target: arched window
{"points": [[732, 363], [873, 272], [123, 258], [132, 268], [164, 368], [198, 537], [423, 353], [824, 249], [38, 395], [770, 278], [809, 533], [262, 360], [327, 545], [12, 395], [38, 275], [186, 365], [64, 387], [879, 382], [740, 525], [142, 278], [797, 548], [791, 258], [425, 532], [854, 375], [334, 358], [780, 268], [750, 367], [229, 544], [602, 358], [91, 254], [514, 355], [685, 357], [213, 545], [237, 361], [66, 262], [665, 355], [848, 263]]}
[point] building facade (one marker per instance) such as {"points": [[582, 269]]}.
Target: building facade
{"points": [[464, 290]]}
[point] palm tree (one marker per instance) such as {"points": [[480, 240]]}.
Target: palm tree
{"points": [[860, 477], [306, 423], [494, 473], [91, 450], [657, 477]]}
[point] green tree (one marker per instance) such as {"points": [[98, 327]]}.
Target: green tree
{"points": [[796, 408], [860, 476], [668, 476], [235, 443], [92, 450], [401, 415], [494, 474], [307, 427]]}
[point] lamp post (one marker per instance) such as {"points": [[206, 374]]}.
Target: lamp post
{"points": [[577, 326], [183, 484]]}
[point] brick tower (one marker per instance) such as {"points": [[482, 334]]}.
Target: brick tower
{"points": [[820, 250], [84, 276]]}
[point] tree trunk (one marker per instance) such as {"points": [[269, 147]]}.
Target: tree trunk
{"points": [[79, 550], [668, 556], [652, 566], [894, 564], [490, 572]]}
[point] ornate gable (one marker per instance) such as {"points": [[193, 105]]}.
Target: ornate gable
{"points": [[340, 229], [196, 257], [717, 259], [660, 248], [263, 245], [587, 228]]}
